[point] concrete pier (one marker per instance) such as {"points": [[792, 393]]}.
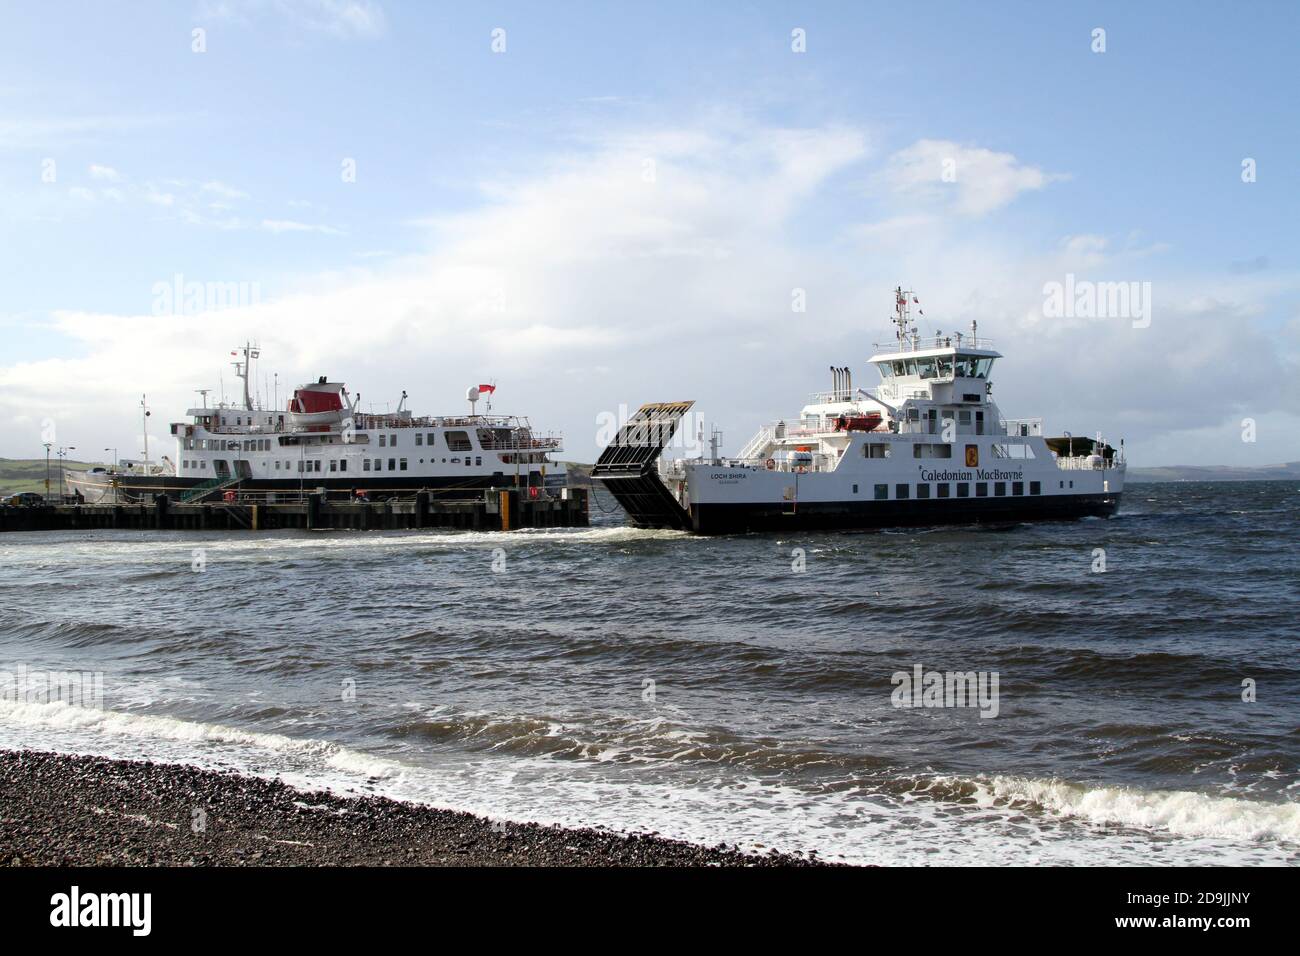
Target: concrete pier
{"points": [[494, 510]]}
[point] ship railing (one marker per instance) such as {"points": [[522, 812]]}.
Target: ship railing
{"points": [[547, 443], [921, 343], [1086, 463]]}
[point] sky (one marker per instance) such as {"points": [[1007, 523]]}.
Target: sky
{"points": [[600, 205]]}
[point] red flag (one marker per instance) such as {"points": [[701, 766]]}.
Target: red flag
{"points": [[487, 388]]}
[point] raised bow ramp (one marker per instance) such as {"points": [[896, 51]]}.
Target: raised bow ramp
{"points": [[628, 468]]}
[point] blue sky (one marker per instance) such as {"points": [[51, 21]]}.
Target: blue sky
{"points": [[501, 224]]}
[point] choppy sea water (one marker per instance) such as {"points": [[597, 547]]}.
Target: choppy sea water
{"points": [[704, 688]]}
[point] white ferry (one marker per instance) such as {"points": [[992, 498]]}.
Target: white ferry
{"points": [[927, 446], [322, 439]]}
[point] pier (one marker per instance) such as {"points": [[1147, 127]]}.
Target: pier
{"points": [[493, 510]]}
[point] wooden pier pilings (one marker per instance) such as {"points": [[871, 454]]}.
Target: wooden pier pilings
{"points": [[495, 510]]}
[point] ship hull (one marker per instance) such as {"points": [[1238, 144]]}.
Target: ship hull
{"points": [[143, 488], [740, 518]]}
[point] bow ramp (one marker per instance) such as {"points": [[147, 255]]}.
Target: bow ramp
{"points": [[627, 467]]}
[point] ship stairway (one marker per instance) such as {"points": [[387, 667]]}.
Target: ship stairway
{"points": [[628, 467], [213, 485]]}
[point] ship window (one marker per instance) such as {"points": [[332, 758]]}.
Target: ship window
{"points": [[392, 440], [886, 369], [981, 489], [901, 491], [334, 464], [343, 465], [983, 367], [428, 439], [1035, 488], [941, 489], [875, 450], [943, 366], [940, 450], [402, 464], [923, 491], [925, 367], [882, 492], [963, 489], [468, 462], [1000, 489], [478, 460], [365, 464], [419, 439], [855, 489], [963, 417], [1071, 484], [1017, 488], [383, 441], [392, 464]]}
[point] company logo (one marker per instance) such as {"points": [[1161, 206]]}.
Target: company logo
{"points": [[103, 909]]}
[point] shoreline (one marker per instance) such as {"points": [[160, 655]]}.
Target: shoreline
{"points": [[76, 810]]}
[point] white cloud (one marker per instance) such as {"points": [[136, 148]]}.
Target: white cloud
{"points": [[289, 225], [223, 190], [598, 280], [340, 18], [969, 180], [107, 173]]}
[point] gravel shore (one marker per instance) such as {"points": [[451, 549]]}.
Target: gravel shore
{"points": [[64, 810]]}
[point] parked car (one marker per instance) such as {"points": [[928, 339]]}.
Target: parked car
{"points": [[23, 498]]}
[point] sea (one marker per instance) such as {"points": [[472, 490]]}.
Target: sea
{"points": [[1106, 691]]}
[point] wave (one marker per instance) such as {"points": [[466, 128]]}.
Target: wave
{"points": [[315, 763]]}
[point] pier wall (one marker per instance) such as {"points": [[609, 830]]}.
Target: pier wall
{"points": [[495, 510]]}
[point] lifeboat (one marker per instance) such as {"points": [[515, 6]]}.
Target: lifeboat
{"points": [[858, 423], [317, 405]]}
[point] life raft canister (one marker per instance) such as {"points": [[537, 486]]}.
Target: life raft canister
{"points": [[771, 464]]}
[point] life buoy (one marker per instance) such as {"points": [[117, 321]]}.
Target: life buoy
{"points": [[771, 464]]}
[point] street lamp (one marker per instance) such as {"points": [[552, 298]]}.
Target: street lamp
{"points": [[48, 446], [63, 456], [114, 451]]}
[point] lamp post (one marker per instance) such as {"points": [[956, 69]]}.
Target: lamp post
{"points": [[48, 446], [114, 451], [63, 457]]}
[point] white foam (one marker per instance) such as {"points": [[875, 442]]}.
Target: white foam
{"points": [[1179, 812]]}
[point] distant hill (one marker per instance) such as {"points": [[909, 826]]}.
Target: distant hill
{"points": [[1289, 472], [28, 474]]}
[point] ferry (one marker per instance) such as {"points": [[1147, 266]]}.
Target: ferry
{"points": [[927, 446], [322, 439]]}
